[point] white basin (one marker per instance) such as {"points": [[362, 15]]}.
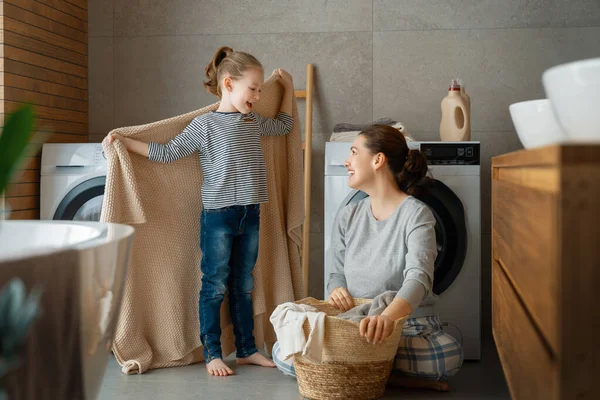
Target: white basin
{"points": [[536, 124], [81, 267], [574, 91], [29, 237]]}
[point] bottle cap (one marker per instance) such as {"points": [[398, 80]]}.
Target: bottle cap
{"points": [[454, 84]]}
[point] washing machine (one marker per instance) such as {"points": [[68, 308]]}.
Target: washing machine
{"points": [[72, 181], [455, 201]]}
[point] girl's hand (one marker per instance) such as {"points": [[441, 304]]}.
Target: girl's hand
{"points": [[340, 298], [376, 329], [113, 136], [130, 144], [284, 78]]}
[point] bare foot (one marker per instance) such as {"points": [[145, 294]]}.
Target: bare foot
{"points": [[410, 382], [218, 368], [256, 359]]}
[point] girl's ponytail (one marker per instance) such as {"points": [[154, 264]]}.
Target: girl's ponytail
{"points": [[227, 62], [212, 84]]}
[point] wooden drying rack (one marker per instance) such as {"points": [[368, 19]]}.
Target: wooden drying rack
{"points": [[307, 94]]}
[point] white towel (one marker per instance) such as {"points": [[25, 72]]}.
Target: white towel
{"points": [[287, 319]]}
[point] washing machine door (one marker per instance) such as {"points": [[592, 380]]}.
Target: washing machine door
{"points": [[450, 232], [83, 202]]}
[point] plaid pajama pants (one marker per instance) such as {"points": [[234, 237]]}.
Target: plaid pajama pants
{"points": [[424, 351]]}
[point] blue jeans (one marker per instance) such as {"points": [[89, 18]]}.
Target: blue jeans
{"points": [[229, 244]]}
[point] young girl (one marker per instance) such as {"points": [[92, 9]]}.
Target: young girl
{"points": [[235, 183]]}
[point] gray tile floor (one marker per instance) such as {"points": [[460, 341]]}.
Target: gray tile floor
{"points": [[476, 380]]}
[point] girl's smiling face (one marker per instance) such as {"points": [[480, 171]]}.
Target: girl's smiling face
{"points": [[245, 91]]}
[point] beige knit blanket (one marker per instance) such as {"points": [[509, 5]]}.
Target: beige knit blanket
{"points": [[158, 324]]}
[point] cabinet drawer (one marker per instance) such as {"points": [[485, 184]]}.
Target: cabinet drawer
{"points": [[525, 239], [528, 366]]}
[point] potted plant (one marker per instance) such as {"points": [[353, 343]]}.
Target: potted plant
{"points": [[14, 139], [18, 310]]}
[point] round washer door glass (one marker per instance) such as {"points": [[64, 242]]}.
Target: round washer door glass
{"points": [[83, 202], [90, 210], [450, 232]]}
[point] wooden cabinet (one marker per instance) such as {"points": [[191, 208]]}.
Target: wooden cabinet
{"points": [[546, 271]]}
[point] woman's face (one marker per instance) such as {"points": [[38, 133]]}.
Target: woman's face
{"points": [[360, 164]]}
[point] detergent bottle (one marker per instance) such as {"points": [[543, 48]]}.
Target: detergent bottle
{"points": [[463, 93], [456, 119]]}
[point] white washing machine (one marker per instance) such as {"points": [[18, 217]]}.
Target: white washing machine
{"points": [[72, 181], [455, 201]]}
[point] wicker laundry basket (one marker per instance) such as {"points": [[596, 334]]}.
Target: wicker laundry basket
{"points": [[351, 368]]}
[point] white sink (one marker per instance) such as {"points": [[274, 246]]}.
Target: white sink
{"points": [[536, 124], [82, 267], [574, 90], [18, 238]]}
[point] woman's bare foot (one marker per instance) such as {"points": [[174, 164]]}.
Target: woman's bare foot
{"points": [[256, 359], [217, 367], [410, 382]]}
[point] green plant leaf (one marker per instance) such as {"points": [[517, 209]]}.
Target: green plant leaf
{"points": [[18, 311], [16, 134]]}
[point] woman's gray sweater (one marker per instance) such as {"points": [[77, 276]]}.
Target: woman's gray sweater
{"points": [[369, 257]]}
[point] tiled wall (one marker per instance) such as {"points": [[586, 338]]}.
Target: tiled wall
{"points": [[373, 58]]}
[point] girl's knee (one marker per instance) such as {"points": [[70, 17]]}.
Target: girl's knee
{"points": [[243, 284]]}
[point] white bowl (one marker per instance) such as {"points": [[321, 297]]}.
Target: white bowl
{"points": [[536, 124], [29, 238], [574, 91]]}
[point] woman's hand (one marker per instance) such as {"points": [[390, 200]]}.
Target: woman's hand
{"points": [[340, 298], [377, 328]]}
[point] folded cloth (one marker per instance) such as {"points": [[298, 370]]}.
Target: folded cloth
{"points": [[376, 307], [347, 127], [400, 126], [287, 319], [349, 136]]}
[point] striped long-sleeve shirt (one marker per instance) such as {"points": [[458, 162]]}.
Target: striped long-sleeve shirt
{"points": [[231, 156]]}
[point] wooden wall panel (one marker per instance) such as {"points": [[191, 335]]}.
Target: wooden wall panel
{"points": [[44, 62], [33, 32], [42, 86], [79, 3], [45, 74], [43, 99], [39, 21], [23, 189], [55, 16], [25, 214], [66, 7], [29, 56]]}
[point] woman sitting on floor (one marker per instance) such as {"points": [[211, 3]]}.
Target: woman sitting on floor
{"points": [[387, 242]]}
